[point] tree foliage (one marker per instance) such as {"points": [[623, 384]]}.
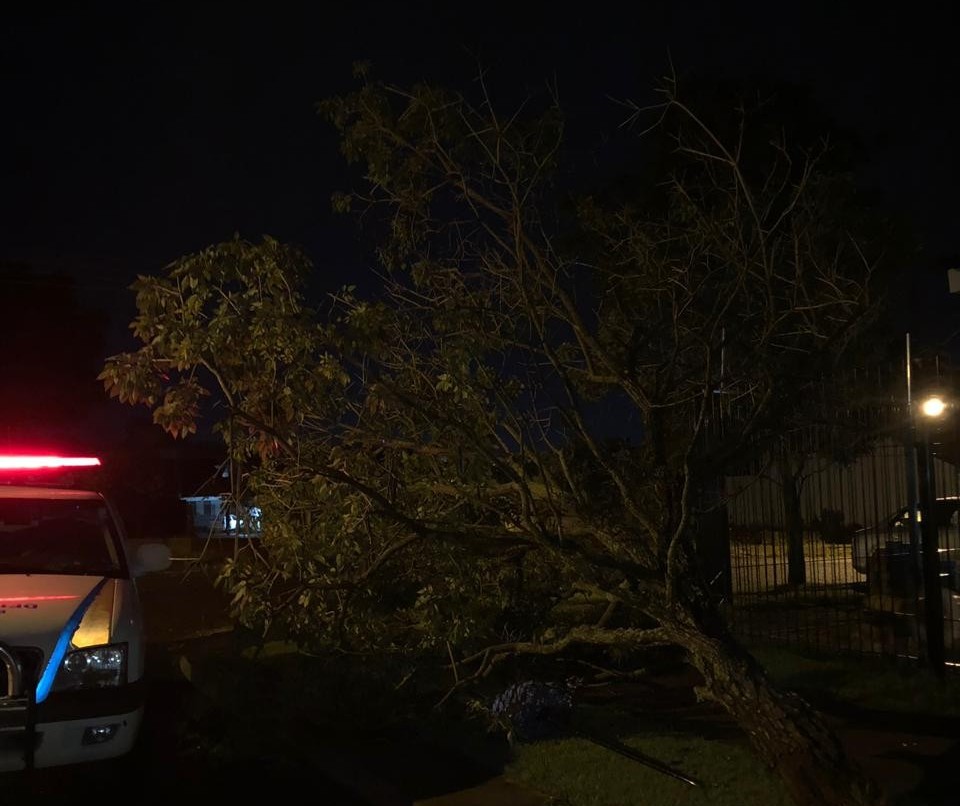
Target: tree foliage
{"points": [[509, 451]]}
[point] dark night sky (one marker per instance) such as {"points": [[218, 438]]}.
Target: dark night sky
{"points": [[134, 134]]}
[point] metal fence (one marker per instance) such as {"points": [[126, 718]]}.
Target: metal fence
{"points": [[824, 549]]}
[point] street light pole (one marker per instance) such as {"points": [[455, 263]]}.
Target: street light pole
{"points": [[913, 490], [931, 409]]}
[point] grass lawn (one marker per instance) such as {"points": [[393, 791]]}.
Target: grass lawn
{"points": [[580, 773], [863, 681], [341, 698], [695, 741]]}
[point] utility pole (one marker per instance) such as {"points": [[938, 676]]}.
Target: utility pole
{"points": [[932, 408], [913, 502]]}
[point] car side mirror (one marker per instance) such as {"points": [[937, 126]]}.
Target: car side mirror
{"points": [[150, 557]]}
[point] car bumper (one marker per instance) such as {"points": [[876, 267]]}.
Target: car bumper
{"points": [[66, 728], [62, 743]]}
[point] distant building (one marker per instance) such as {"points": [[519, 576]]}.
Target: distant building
{"points": [[214, 515], [211, 511]]}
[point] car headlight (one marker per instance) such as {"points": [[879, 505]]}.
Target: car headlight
{"points": [[93, 667]]}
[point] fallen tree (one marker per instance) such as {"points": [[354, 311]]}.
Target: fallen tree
{"points": [[510, 449]]}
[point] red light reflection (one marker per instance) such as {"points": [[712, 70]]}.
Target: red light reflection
{"points": [[5, 600]]}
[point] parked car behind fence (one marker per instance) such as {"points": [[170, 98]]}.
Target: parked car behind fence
{"points": [[884, 551]]}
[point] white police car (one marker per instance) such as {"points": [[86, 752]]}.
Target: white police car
{"points": [[71, 629]]}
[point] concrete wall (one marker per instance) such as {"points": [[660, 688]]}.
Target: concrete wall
{"points": [[867, 490]]}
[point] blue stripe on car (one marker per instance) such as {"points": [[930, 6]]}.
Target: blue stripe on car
{"points": [[63, 643]]}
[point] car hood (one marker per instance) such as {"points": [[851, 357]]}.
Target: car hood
{"points": [[35, 609]]}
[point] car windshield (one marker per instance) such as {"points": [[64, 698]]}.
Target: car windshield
{"points": [[57, 536]]}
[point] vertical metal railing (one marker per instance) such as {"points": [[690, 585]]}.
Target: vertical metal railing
{"points": [[862, 588]]}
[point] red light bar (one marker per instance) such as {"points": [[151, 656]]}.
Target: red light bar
{"points": [[24, 462]]}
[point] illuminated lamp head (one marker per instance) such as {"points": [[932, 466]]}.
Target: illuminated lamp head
{"points": [[933, 406]]}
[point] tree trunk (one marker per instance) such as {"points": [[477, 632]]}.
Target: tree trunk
{"points": [[787, 734], [796, 562]]}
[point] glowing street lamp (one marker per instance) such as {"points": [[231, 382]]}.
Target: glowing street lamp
{"points": [[933, 407]]}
